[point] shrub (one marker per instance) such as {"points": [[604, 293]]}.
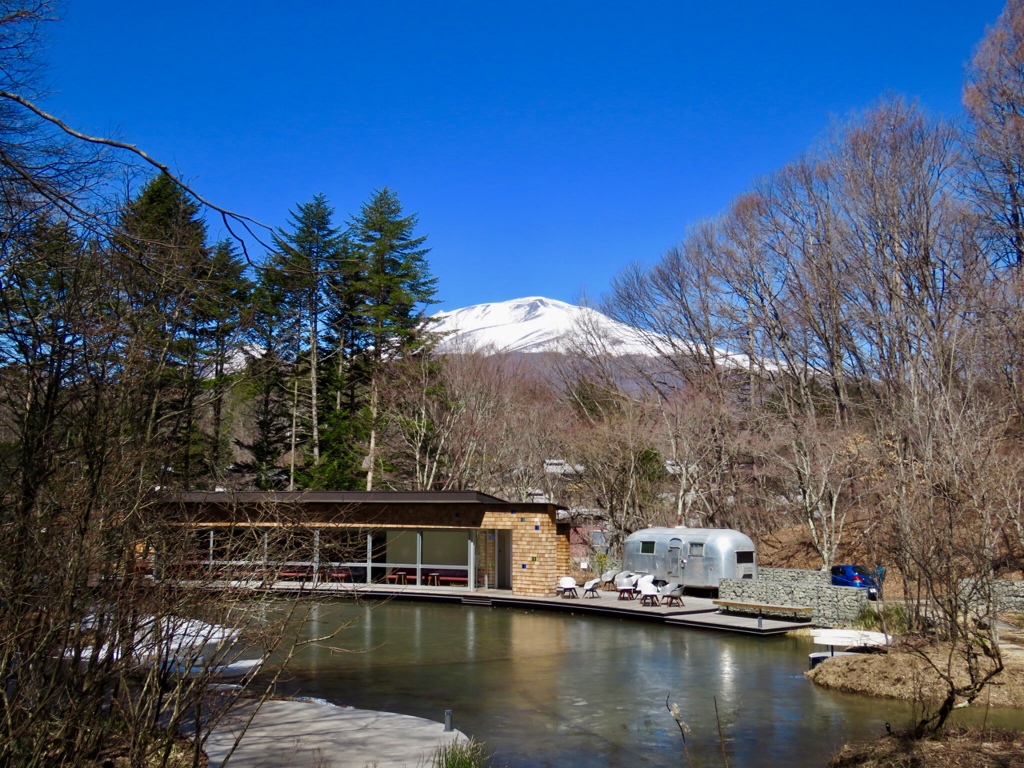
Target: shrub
{"points": [[461, 754], [889, 618]]}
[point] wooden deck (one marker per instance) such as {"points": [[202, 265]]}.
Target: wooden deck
{"points": [[696, 612]]}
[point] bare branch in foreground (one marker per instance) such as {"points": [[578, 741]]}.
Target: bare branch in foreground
{"points": [[250, 224]]}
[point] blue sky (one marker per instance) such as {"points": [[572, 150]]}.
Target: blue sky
{"points": [[544, 145]]}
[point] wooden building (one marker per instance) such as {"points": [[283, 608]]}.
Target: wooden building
{"points": [[459, 539]]}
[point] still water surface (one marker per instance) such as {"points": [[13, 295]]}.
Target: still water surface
{"points": [[553, 689]]}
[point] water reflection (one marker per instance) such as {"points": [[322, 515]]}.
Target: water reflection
{"points": [[544, 689]]}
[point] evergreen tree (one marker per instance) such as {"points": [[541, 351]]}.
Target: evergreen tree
{"points": [[345, 430], [219, 307], [341, 305], [391, 287], [49, 345], [393, 282], [270, 356], [299, 273], [164, 261]]}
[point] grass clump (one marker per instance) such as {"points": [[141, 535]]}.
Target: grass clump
{"points": [[890, 618], [461, 754]]}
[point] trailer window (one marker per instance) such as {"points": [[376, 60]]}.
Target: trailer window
{"points": [[646, 547], [696, 550], [744, 557]]}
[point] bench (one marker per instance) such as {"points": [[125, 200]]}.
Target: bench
{"points": [[188, 569], [306, 573], [802, 611], [444, 577], [430, 578], [296, 573], [400, 577]]}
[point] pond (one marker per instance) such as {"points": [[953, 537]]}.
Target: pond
{"points": [[553, 689]]}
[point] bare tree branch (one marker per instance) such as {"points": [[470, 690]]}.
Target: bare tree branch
{"points": [[250, 224]]}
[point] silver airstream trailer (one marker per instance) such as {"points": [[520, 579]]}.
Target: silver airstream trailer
{"points": [[695, 557]]}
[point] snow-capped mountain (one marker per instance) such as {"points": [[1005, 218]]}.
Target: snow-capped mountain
{"points": [[533, 324]]}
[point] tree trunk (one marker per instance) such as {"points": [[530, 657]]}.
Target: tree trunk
{"points": [[313, 368], [371, 457], [295, 410]]}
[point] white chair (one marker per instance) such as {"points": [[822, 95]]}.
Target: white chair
{"points": [[649, 594], [590, 588], [608, 578], [567, 587], [625, 583], [672, 593]]}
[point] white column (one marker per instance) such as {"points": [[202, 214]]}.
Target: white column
{"points": [[419, 557], [316, 554], [369, 556]]}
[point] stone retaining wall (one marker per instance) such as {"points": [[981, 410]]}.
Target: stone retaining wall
{"points": [[833, 606], [1009, 594], [793, 576]]}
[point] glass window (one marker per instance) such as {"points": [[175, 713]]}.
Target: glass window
{"points": [[401, 547], [696, 549], [744, 557], [445, 547], [203, 543], [342, 545], [240, 543], [646, 547]]}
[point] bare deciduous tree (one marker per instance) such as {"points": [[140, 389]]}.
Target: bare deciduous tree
{"points": [[994, 98]]}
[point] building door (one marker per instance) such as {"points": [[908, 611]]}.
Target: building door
{"points": [[676, 565], [503, 558], [695, 573]]}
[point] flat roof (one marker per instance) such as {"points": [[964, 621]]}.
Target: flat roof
{"points": [[346, 497]]}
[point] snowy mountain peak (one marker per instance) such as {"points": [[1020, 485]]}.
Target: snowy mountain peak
{"points": [[531, 324]]}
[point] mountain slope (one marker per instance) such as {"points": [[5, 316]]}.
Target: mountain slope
{"points": [[532, 324]]}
